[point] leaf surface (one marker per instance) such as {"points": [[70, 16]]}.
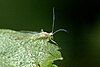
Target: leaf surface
{"points": [[19, 49]]}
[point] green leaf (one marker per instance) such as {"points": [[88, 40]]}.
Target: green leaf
{"points": [[19, 49]]}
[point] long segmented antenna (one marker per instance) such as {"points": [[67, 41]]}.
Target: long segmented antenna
{"points": [[53, 19], [54, 24], [59, 30]]}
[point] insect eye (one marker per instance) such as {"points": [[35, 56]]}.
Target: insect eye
{"points": [[51, 34]]}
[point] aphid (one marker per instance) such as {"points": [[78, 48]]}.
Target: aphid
{"points": [[46, 35]]}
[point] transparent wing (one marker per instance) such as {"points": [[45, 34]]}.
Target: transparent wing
{"points": [[31, 32]]}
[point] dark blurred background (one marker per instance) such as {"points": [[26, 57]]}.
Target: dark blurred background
{"points": [[81, 18]]}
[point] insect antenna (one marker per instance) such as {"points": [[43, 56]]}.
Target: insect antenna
{"points": [[59, 30], [54, 24], [53, 19]]}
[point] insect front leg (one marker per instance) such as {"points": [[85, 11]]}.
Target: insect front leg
{"points": [[53, 42]]}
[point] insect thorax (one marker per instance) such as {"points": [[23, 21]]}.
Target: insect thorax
{"points": [[42, 35]]}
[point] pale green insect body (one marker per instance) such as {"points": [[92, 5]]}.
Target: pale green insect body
{"points": [[42, 35], [14, 35]]}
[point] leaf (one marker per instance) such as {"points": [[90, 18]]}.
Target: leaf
{"points": [[19, 49]]}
